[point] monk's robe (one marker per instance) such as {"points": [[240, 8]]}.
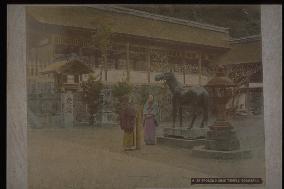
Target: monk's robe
{"points": [[128, 125], [138, 128]]}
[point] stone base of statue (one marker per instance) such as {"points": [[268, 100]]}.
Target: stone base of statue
{"points": [[183, 137], [201, 151], [180, 142], [182, 132], [221, 143], [222, 139]]}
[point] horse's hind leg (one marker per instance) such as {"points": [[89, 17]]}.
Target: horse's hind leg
{"points": [[193, 120], [205, 117], [203, 120]]}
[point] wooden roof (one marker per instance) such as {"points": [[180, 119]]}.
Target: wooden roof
{"points": [[68, 67], [132, 22], [243, 50]]}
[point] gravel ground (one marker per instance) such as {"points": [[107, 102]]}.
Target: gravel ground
{"points": [[90, 158]]}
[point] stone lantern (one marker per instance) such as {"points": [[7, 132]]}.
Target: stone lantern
{"points": [[221, 140], [221, 135], [67, 76]]}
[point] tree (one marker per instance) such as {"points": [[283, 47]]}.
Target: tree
{"points": [[143, 92], [91, 90], [101, 39], [119, 90]]}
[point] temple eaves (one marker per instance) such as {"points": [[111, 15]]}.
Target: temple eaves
{"points": [[122, 10], [250, 38]]}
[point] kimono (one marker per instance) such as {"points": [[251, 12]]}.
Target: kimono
{"points": [[139, 126], [127, 117], [150, 122]]}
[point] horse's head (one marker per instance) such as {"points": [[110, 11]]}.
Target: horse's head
{"points": [[164, 76]]}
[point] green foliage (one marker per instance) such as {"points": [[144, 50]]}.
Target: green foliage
{"points": [[142, 93], [121, 88], [91, 94], [118, 90], [102, 37]]}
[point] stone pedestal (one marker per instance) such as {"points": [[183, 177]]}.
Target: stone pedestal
{"points": [[222, 139], [68, 109], [221, 143], [183, 137], [105, 118], [201, 151], [181, 132], [182, 143]]}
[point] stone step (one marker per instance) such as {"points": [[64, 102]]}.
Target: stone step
{"points": [[194, 133], [200, 151], [177, 142]]}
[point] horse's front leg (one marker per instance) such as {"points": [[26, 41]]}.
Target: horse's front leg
{"points": [[180, 116], [205, 116], [204, 121], [193, 120]]}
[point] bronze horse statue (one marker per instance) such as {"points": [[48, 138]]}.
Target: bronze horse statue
{"points": [[195, 97]]}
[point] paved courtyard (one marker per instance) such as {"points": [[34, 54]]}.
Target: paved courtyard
{"points": [[91, 158]]}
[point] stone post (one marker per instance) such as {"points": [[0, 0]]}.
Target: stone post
{"points": [[67, 106]]}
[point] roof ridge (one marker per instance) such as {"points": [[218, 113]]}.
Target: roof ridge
{"points": [[246, 38], [145, 14]]}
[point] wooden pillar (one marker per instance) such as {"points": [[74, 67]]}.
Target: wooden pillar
{"points": [[183, 74], [105, 65], [183, 68], [116, 63], [148, 65], [127, 62], [36, 60], [246, 98], [167, 63], [199, 68], [96, 62], [101, 66]]}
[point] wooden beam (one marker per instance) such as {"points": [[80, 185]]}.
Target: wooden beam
{"points": [[127, 62]]}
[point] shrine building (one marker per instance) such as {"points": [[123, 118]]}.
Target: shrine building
{"points": [[142, 45]]}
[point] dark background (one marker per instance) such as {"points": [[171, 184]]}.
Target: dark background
{"points": [[243, 20]]}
